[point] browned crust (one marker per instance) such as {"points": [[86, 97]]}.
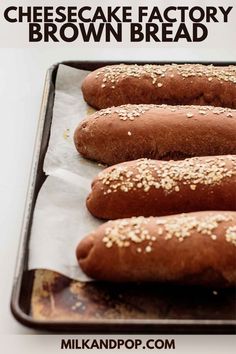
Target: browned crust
{"points": [[171, 84], [196, 259], [157, 188], [158, 132]]}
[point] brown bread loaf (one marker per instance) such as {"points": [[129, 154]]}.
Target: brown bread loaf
{"points": [[170, 84], [155, 188], [196, 248], [163, 132]]}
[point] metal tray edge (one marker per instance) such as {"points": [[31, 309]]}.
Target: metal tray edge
{"points": [[21, 253], [134, 326]]}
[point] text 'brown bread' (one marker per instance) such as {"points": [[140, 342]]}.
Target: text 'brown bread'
{"points": [[197, 248], [163, 132], [171, 84], [155, 188]]}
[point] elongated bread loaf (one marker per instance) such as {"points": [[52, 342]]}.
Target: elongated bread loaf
{"points": [[171, 84], [163, 132], [196, 248], [155, 188]]}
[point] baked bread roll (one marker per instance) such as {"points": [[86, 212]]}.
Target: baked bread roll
{"points": [[196, 248], [163, 132], [155, 188], [171, 84]]}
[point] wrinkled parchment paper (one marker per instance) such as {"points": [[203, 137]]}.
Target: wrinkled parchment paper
{"points": [[61, 218]]}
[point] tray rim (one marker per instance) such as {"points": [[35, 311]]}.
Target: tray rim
{"points": [[165, 326]]}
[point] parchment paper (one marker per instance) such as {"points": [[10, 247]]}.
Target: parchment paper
{"points": [[69, 109], [61, 218]]}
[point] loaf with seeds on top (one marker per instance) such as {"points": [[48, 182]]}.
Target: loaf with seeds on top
{"points": [[196, 248], [162, 132], [197, 84], [155, 188]]}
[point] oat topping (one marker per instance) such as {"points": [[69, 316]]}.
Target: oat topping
{"points": [[112, 74], [137, 230], [133, 111], [168, 175], [127, 112], [189, 115], [231, 234]]}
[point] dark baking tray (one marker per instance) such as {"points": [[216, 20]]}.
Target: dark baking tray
{"points": [[181, 310]]}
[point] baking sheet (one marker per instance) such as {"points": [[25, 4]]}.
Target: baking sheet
{"points": [[55, 297], [47, 300], [61, 218], [68, 110]]}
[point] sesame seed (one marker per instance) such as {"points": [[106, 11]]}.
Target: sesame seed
{"points": [[129, 133]]}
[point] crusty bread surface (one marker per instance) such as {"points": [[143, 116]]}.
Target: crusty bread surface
{"points": [[155, 188], [162, 132], [171, 84], [195, 248]]}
